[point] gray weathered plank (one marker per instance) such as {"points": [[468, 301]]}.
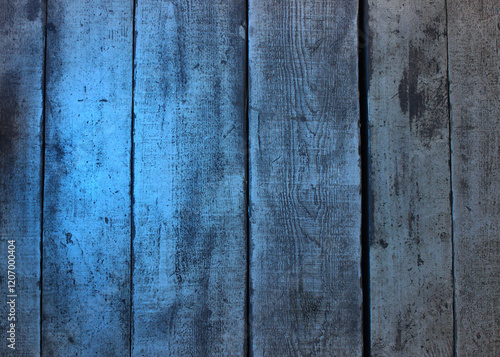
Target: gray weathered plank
{"points": [[474, 52], [189, 179], [86, 261], [21, 107], [304, 178], [410, 241]]}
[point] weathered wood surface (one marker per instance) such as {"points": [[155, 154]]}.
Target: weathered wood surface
{"points": [[474, 45], [304, 179], [87, 220], [411, 276], [21, 107], [189, 179]]}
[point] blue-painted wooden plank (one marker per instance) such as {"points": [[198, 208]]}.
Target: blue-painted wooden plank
{"points": [[411, 234], [474, 58], [305, 207], [21, 108], [189, 179], [87, 208]]}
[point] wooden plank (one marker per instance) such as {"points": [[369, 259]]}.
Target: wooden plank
{"points": [[304, 178], [189, 179], [474, 52], [21, 107], [87, 220], [410, 240]]}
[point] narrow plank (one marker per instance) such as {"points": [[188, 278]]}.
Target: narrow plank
{"points": [[21, 108], [304, 179], [189, 179], [87, 221], [410, 240], [474, 52]]}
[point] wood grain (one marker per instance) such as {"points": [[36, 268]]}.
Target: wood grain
{"points": [[410, 242], [189, 179], [304, 179], [474, 45], [21, 107], [87, 220]]}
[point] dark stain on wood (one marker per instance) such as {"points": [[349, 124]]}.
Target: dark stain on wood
{"points": [[403, 92], [383, 243], [51, 27], [434, 31], [9, 117], [7, 15], [414, 95], [33, 8]]}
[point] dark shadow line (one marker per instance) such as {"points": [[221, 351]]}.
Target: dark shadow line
{"points": [[365, 173], [42, 164], [248, 332], [450, 160], [132, 175]]}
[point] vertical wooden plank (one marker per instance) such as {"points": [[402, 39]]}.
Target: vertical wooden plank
{"points": [[474, 51], [410, 240], [189, 179], [21, 107], [304, 178], [87, 221]]}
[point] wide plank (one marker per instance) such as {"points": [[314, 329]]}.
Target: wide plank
{"points": [[411, 281], [189, 244], [474, 52], [87, 208], [21, 108], [305, 206]]}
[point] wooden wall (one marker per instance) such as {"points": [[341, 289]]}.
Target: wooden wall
{"points": [[232, 178]]}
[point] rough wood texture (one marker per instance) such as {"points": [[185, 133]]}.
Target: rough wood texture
{"points": [[410, 241], [304, 179], [189, 182], [474, 45], [86, 297], [21, 78]]}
